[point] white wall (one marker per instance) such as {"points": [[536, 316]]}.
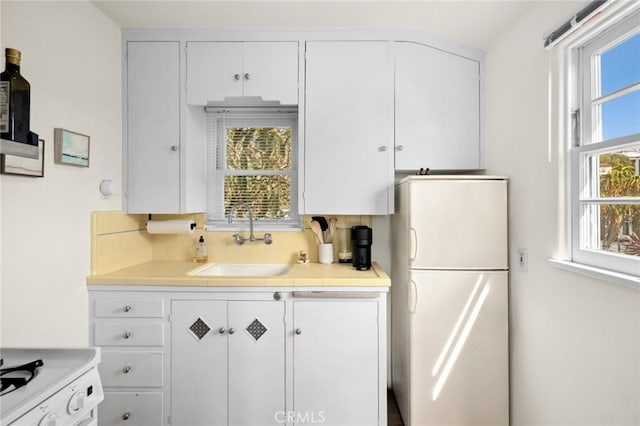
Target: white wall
{"points": [[71, 57], [575, 356]]}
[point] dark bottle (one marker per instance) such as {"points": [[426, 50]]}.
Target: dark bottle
{"points": [[15, 101]]}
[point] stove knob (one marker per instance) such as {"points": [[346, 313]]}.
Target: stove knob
{"points": [[49, 419], [76, 403]]}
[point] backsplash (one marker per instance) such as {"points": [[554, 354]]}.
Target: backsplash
{"points": [[120, 240]]}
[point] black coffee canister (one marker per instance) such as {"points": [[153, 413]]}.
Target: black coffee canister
{"points": [[361, 240]]}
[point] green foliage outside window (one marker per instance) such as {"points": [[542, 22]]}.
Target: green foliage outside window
{"points": [[265, 154], [620, 223]]}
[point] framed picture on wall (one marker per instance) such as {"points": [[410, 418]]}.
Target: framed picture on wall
{"points": [[21, 166], [70, 148]]}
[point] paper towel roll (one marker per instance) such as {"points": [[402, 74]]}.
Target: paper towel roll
{"points": [[177, 226]]}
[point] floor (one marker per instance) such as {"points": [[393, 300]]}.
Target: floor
{"points": [[393, 415]]}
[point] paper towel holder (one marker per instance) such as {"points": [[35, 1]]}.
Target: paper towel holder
{"points": [[191, 225]]}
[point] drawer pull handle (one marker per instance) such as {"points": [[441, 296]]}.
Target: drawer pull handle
{"points": [[126, 370], [298, 331], [126, 415], [231, 331], [126, 334], [127, 308], [221, 330]]}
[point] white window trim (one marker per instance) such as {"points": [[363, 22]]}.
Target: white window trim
{"points": [[565, 71], [216, 134]]}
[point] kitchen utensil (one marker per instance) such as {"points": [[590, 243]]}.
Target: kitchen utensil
{"points": [[333, 224], [324, 225], [317, 230]]}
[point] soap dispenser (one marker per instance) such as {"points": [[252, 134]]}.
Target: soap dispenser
{"points": [[200, 255]]}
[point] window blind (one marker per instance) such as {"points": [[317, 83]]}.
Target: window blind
{"points": [[574, 22], [252, 158]]}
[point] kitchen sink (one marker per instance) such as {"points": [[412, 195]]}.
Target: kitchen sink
{"points": [[245, 270]]}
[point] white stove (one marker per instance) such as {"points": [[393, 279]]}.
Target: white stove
{"points": [[64, 389]]}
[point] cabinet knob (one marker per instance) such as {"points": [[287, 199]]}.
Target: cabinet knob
{"points": [[221, 330], [174, 148], [399, 148], [231, 331], [277, 295], [298, 331], [126, 415], [236, 77], [127, 308], [126, 370], [382, 148], [247, 76], [126, 334]]}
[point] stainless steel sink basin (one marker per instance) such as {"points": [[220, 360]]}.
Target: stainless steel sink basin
{"points": [[245, 270]]}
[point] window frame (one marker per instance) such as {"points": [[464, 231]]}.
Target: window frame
{"points": [[582, 81], [217, 123]]}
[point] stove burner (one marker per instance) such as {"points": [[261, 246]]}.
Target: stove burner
{"points": [[13, 378]]}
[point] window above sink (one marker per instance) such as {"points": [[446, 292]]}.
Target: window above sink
{"points": [[252, 158]]}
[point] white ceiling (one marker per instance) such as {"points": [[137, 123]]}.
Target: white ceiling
{"points": [[474, 23]]}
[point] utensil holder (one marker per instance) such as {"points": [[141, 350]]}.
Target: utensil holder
{"points": [[325, 253]]}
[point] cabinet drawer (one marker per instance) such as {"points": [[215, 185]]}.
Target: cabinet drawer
{"points": [[129, 308], [131, 369], [128, 334], [131, 408]]}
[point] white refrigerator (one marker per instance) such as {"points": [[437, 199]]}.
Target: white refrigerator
{"points": [[449, 295]]}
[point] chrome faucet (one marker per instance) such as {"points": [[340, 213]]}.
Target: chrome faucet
{"points": [[239, 239]]}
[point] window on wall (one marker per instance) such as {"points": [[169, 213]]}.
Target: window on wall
{"points": [[605, 156], [252, 162]]}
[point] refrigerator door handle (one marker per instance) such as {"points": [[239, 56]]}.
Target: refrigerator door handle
{"points": [[413, 241], [413, 297]]}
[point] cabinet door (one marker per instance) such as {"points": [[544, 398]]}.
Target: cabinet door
{"points": [[335, 361], [198, 364], [131, 408], [153, 127], [348, 152], [437, 109], [256, 362], [214, 71], [271, 71]]}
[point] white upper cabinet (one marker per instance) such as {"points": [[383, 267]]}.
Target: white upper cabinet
{"points": [[153, 127], [220, 70], [348, 149], [437, 109]]}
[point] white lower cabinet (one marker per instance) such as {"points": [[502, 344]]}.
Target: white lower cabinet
{"points": [[228, 363], [241, 356], [131, 408], [335, 361], [131, 369]]}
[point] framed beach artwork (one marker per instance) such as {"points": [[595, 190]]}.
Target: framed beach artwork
{"points": [[21, 166], [70, 148]]}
